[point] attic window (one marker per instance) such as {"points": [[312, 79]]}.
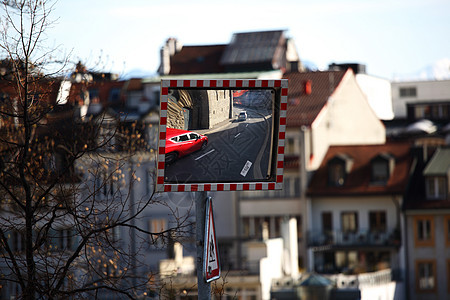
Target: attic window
{"points": [[338, 168], [381, 169], [436, 187], [336, 172]]}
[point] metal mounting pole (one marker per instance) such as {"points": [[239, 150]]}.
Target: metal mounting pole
{"points": [[204, 288]]}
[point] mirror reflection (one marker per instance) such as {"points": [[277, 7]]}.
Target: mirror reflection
{"points": [[217, 135]]}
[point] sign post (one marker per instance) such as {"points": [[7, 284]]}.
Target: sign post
{"points": [[204, 288]]}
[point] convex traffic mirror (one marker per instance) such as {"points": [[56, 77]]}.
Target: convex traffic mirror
{"points": [[221, 135]]}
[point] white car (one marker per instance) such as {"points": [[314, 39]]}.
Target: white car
{"points": [[242, 116]]}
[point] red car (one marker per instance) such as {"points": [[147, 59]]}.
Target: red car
{"points": [[180, 143]]}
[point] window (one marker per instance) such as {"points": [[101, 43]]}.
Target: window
{"points": [[299, 227], [291, 187], [447, 230], [432, 111], [60, 239], [408, 92], [424, 231], [114, 95], [246, 226], [336, 173], [193, 136], [327, 221], [156, 97], [65, 238], [262, 224], [425, 276], [380, 171], [422, 112], [349, 222], [93, 96], [113, 235], [183, 138], [377, 221], [106, 184], [156, 227], [276, 232], [253, 227], [289, 145], [16, 241], [448, 276], [436, 187], [440, 111]]}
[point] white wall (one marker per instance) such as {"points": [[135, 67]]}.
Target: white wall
{"points": [[347, 119], [378, 93], [350, 118], [271, 267], [224, 205], [270, 207], [360, 204], [427, 91]]}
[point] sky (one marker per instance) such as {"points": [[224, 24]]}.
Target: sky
{"points": [[392, 38]]}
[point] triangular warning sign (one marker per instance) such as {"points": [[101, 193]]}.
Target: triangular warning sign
{"points": [[211, 268]]}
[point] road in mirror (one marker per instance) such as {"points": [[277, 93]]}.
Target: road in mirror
{"points": [[218, 135]]}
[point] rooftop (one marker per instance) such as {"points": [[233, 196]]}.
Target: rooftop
{"points": [[358, 178], [304, 106]]}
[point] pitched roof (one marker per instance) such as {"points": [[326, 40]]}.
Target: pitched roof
{"points": [[247, 51], [197, 60], [262, 50], [46, 88], [103, 88], [304, 107], [439, 164], [358, 179]]}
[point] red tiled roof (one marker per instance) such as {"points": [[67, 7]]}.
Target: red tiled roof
{"points": [[47, 89], [134, 84], [303, 108], [104, 88], [357, 180], [197, 60]]}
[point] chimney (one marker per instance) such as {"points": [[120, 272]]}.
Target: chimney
{"points": [[171, 47], [307, 87]]}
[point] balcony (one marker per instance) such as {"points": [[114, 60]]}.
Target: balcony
{"points": [[360, 238]]}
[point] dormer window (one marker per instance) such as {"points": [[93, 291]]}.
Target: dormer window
{"points": [[336, 175], [338, 167], [437, 173], [381, 169], [436, 187]]}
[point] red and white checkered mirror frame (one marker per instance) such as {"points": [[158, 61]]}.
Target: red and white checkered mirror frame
{"points": [[276, 184]]}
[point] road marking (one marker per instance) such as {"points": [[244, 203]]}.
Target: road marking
{"points": [[237, 135], [246, 168], [205, 154], [246, 125]]}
